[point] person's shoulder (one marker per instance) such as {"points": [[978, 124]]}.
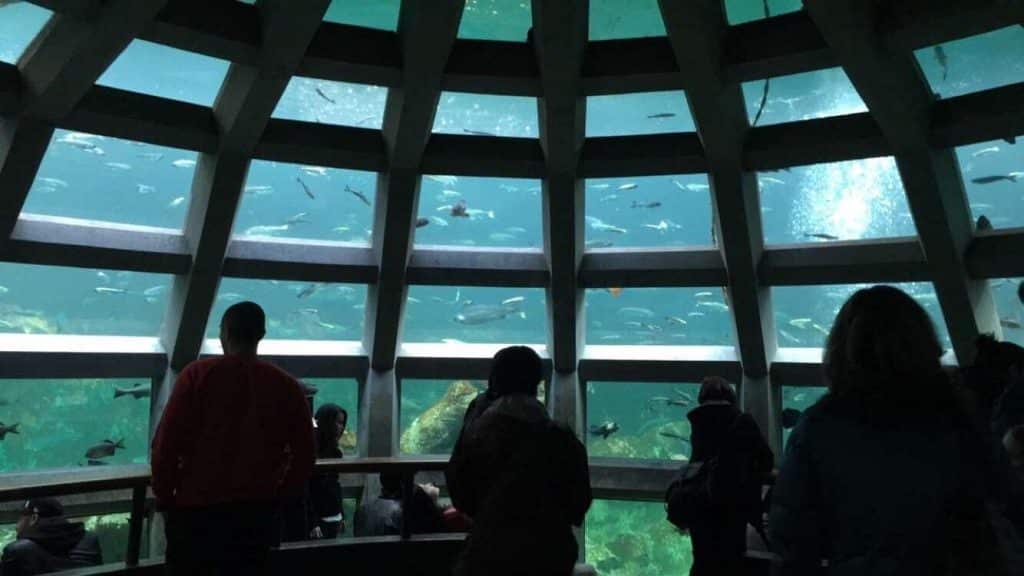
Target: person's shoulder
{"points": [[274, 372], [20, 548]]}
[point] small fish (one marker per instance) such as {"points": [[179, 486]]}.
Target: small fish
{"points": [[438, 221], [475, 213], [451, 341], [259, 190], [421, 222], [140, 391], [444, 180], [103, 277], [104, 449], [5, 430], [478, 132], [985, 152], [660, 115], [602, 186], [53, 182], [790, 417], [789, 337], [942, 59], [695, 315], [340, 229], [119, 166], [764, 180], [668, 434], [309, 290], [820, 236], [230, 296], [513, 300], [654, 204], [598, 225], [598, 244], [627, 186], [1011, 177], [1010, 323], [604, 430], [176, 202], [151, 156], [299, 218], [721, 307], [305, 188], [448, 196], [675, 320], [108, 290], [700, 295], [265, 230], [663, 226], [184, 163], [358, 194], [801, 323], [476, 314], [314, 170], [4, 290], [145, 189], [983, 223], [155, 290], [324, 96]]}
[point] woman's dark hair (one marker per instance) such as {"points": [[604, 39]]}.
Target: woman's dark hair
{"points": [[515, 370], [327, 417], [715, 389], [245, 323]]}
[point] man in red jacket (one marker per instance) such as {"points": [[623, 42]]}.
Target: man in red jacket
{"points": [[236, 437]]}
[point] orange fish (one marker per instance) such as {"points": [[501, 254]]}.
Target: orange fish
{"points": [[615, 292]]}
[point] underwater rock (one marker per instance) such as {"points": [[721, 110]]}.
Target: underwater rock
{"points": [[436, 429], [13, 318]]}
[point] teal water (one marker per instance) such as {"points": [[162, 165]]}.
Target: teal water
{"points": [[132, 184]]}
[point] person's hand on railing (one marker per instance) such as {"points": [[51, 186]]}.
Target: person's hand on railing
{"points": [[316, 533]]}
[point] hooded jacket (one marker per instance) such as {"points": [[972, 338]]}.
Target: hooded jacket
{"points": [[51, 545]]}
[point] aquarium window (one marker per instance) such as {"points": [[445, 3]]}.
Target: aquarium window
{"points": [[992, 171], [296, 310], [639, 419], [507, 20], [795, 400], [659, 316], [339, 103], [380, 14], [38, 299], [1010, 308], [345, 393], [431, 412], [166, 72], [626, 537], [307, 202], [648, 211], [472, 211], [108, 179], [56, 426], [804, 96], [975, 63], [642, 113], [19, 24], [804, 314], [743, 11], [486, 115], [838, 201], [475, 314], [616, 19]]}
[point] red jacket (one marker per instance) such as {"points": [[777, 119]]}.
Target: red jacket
{"points": [[234, 430]]}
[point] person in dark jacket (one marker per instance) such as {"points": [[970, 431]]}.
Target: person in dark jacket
{"points": [[882, 475], [522, 478], [720, 430], [326, 515], [47, 542], [382, 516]]}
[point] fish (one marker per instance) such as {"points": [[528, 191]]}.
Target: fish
{"points": [[103, 277], [448, 195], [305, 188], [104, 449], [789, 337], [119, 166], [609, 198], [628, 186], [358, 194], [598, 244], [695, 315], [801, 323], [259, 190], [478, 132], [451, 341], [324, 96], [299, 218], [438, 221], [1010, 323], [314, 170], [764, 96], [675, 320], [654, 204], [978, 206], [635, 312], [722, 307], [140, 391], [340, 229], [985, 152], [154, 291], [700, 295], [445, 180], [476, 314], [421, 222], [5, 430], [790, 417], [176, 202], [265, 230], [1011, 177], [309, 290], [108, 290], [95, 150], [184, 163], [474, 213], [663, 226], [668, 434], [604, 430], [4, 290], [513, 300], [81, 144], [763, 180], [942, 59], [660, 115], [230, 297], [53, 182], [598, 225], [983, 223], [145, 189], [151, 156], [820, 236], [614, 291], [602, 186]]}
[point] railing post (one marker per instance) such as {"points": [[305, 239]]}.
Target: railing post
{"points": [[135, 525], [407, 491]]}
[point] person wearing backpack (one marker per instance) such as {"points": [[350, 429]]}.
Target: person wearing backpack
{"points": [[719, 492]]}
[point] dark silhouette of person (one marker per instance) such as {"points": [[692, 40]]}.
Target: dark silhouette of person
{"points": [[234, 442], [383, 515], [326, 516], [883, 475], [47, 542], [744, 461], [521, 477]]}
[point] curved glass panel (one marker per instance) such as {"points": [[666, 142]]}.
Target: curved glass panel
{"points": [[496, 20], [19, 24], [798, 398], [469, 211], [381, 14], [345, 393], [431, 413], [651, 211], [309, 202], [626, 538], [167, 72], [296, 310], [643, 113], [639, 419], [840, 201], [992, 172], [741, 11], [109, 179], [475, 314], [817, 94], [55, 423], [974, 64], [55, 300], [326, 102], [486, 115], [804, 314], [613, 19], [1010, 308], [658, 316]]}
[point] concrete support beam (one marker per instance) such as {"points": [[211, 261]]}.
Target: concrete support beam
{"points": [[893, 88], [378, 414], [23, 142]]}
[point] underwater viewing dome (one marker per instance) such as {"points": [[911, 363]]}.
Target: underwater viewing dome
{"points": [[645, 191]]}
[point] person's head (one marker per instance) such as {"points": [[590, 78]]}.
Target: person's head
{"points": [[716, 389], [242, 327], [331, 421], [390, 483], [38, 509], [515, 370], [882, 345]]}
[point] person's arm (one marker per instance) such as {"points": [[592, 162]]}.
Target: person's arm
{"points": [[459, 476], [794, 523], [300, 443], [174, 438], [754, 442], [580, 493]]}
